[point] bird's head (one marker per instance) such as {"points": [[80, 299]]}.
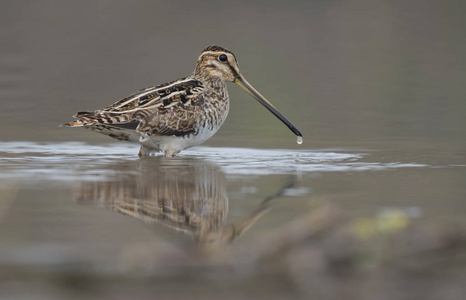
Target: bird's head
{"points": [[215, 63], [219, 64]]}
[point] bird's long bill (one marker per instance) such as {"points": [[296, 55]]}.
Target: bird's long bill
{"points": [[256, 95]]}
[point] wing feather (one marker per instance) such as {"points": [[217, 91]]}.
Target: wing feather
{"points": [[167, 109]]}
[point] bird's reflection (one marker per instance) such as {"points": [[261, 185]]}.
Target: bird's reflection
{"points": [[186, 195]]}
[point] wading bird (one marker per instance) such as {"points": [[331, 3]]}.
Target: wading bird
{"points": [[180, 114]]}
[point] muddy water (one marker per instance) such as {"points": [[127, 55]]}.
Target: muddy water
{"points": [[100, 211], [374, 195]]}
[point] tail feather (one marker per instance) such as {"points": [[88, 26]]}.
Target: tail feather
{"points": [[85, 118], [77, 123], [85, 114]]}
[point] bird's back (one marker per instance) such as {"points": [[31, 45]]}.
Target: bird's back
{"points": [[182, 109]]}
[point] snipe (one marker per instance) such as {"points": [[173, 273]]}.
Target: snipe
{"points": [[180, 114]]}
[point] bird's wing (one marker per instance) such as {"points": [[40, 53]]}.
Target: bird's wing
{"points": [[161, 110], [178, 121]]}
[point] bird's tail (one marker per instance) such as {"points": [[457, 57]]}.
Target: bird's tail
{"points": [[84, 118]]}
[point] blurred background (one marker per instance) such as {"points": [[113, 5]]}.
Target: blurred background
{"points": [[386, 78], [348, 73]]}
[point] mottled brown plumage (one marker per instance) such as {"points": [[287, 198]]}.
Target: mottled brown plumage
{"points": [[179, 114], [190, 197]]}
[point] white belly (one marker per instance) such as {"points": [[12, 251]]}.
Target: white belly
{"points": [[171, 145]]}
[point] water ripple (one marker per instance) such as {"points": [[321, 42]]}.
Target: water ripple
{"points": [[61, 161]]}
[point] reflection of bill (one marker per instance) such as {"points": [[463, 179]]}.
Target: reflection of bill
{"points": [[189, 196]]}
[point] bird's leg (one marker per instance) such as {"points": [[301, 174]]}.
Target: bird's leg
{"points": [[170, 152], [146, 151]]}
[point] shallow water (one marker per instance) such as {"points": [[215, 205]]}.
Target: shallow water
{"points": [[211, 186], [72, 208], [370, 206]]}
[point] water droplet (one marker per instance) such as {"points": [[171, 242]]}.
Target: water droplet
{"points": [[300, 140]]}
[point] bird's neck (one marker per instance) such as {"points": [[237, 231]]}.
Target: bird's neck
{"points": [[217, 85], [214, 84]]}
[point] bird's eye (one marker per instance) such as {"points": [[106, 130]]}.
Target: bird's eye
{"points": [[223, 58]]}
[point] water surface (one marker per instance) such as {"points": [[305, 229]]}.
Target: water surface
{"points": [[370, 206]]}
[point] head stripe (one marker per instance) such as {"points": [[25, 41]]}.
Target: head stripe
{"points": [[216, 49]]}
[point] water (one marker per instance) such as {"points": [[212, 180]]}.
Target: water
{"points": [[370, 207], [188, 193], [73, 207]]}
